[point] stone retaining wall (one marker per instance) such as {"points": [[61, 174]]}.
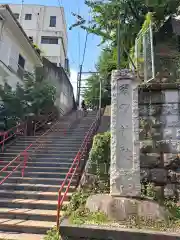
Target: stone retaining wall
{"points": [[159, 111], [91, 232]]}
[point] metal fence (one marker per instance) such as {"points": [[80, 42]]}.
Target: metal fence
{"points": [[144, 54]]}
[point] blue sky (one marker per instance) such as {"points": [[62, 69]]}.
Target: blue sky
{"points": [[93, 50]]}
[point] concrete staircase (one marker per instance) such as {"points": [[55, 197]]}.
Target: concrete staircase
{"points": [[28, 204]]}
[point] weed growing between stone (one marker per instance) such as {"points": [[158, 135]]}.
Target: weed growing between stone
{"points": [[78, 214], [84, 216], [171, 225], [52, 234]]}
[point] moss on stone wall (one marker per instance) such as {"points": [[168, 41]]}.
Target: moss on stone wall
{"points": [[99, 157]]}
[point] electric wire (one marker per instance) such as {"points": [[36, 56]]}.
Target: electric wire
{"points": [[60, 3]]}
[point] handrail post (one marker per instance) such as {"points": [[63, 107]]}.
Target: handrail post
{"points": [[25, 154], [4, 137], [35, 129], [58, 210]]}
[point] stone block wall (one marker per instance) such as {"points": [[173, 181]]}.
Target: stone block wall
{"points": [[106, 232], [159, 112]]}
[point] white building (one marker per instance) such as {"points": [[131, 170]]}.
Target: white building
{"points": [[17, 54], [46, 27]]}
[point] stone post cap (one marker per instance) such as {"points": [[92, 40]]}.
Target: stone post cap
{"points": [[123, 74]]}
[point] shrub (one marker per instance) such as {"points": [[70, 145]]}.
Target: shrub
{"points": [[78, 199], [99, 157], [52, 234]]}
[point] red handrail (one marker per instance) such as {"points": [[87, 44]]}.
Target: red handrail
{"points": [[16, 129], [40, 123], [73, 169], [25, 154], [21, 128]]}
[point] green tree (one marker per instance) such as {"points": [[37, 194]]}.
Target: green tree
{"points": [[35, 97], [131, 13], [13, 101], [40, 95]]}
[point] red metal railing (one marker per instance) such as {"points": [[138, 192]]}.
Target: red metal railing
{"points": [[42, 122], [23, 157], [74, 167], [19, 129]]}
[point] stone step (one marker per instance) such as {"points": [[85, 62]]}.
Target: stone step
{"points": [[46, 149], [55, 138], [42, 153], [29, 226], [53, 159], [29, 214], [31, 195], [45, 158], [52, 147], [55, 144], [36, 174], [50, 169], [29, 203], [20, 236], [37, 164], [30, 186]]}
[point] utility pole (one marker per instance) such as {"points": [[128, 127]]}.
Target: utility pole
{"points": [[79, 84], [21, 12], [79, 81], [118, 45], [100, 92]]}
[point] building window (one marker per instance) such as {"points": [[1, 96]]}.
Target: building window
{"points": [[16, 15], [28, 16], [52, 21], [49, 40]]}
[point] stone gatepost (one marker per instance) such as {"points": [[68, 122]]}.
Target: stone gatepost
{"points": [[125, 159]]}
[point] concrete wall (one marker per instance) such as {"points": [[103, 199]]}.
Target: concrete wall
{"points": [[99, 232], [64, 90], [39, 26]]}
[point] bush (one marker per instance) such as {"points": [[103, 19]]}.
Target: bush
{"points": [[78, 199], [99, 157], [52, 234], [78, 213]]}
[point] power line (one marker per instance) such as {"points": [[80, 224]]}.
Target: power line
{"points": [[60, 3], [79, 41]]}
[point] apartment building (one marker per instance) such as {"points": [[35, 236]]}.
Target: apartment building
{"points": [[46, 27], [17, 54]]}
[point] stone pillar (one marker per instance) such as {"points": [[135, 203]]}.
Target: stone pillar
{"points": [[125, 163]]}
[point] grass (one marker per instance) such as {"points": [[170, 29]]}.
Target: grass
{"points": [[52, 234], [78, 214], [84, 216]]}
